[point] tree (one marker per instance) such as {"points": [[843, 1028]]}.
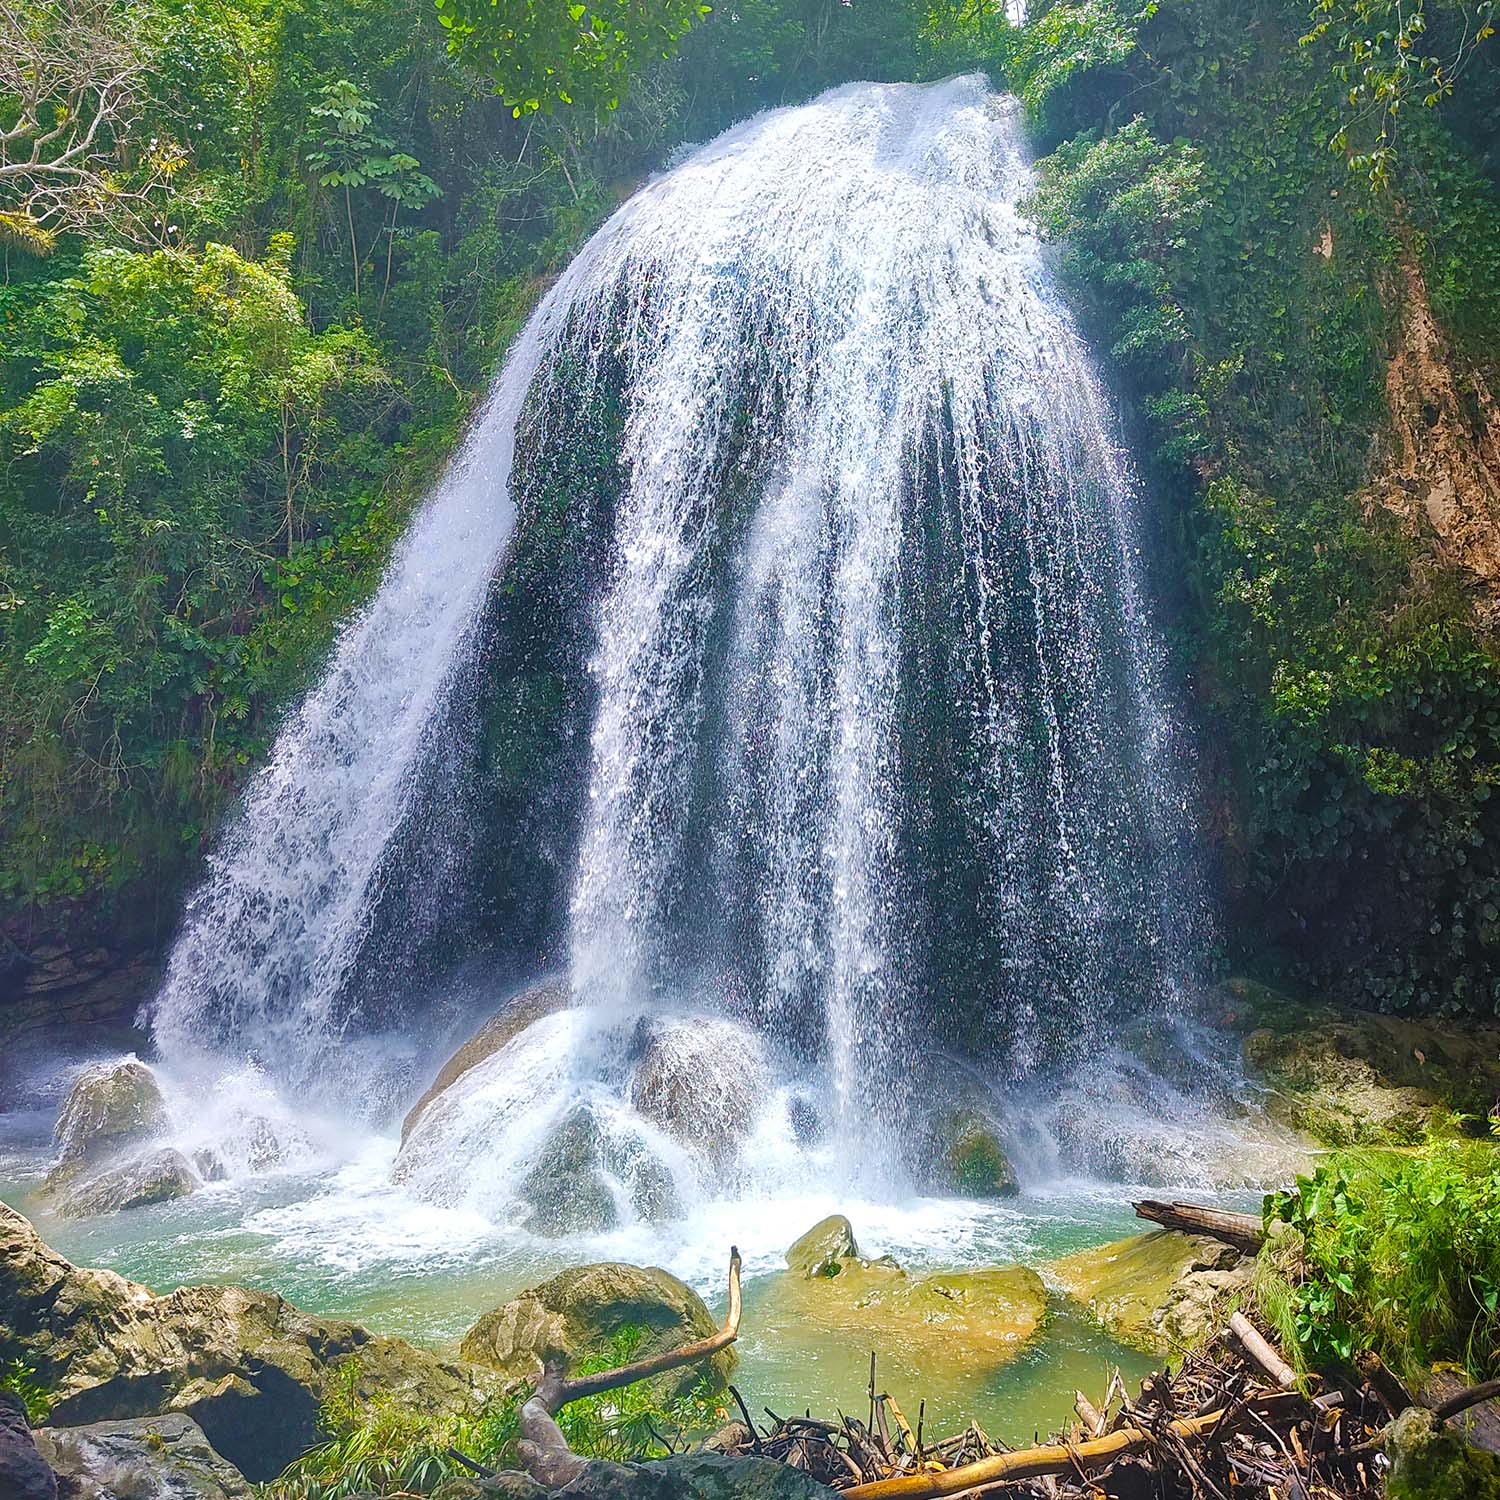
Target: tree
{"points": [[70, 84], [541, 53]]}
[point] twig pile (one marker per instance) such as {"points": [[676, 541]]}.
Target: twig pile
{"points": [[1218, 1428]]}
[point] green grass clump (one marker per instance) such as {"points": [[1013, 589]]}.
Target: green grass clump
{"points": [[384, 1447], [1398, 1252], [19, 1378]]}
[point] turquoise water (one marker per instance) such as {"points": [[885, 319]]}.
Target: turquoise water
{"points": [[343, 1242]]}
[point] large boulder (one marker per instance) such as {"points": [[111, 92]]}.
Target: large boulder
{"points": [[702, 1080], [565, 1191], [110, 1108], [507, 1023], [24, 1473], [946, 1324], [1162, 1291], [164, 1458], [968, 1159], [248, 1367], [577, 1315], [158, 1177]]}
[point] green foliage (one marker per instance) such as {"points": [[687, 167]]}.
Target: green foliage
{"points": [[21, 1380], [381, 1447], [1401, 1254], [1246, 285], [542, 53]]}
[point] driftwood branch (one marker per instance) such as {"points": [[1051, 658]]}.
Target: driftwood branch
{"points": [[543, 1449], [1463, 1400], [1259, 1349], [1243, 1231]]}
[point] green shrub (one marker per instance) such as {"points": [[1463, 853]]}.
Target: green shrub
{"points": [[21, 1380], [1400, 1253]]}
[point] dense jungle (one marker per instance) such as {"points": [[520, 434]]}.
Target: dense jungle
{"points": [[628, 627]]}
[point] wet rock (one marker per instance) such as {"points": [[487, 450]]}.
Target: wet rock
{"points": [[165, 1457], [108, 1109], [576, 1315], [694, 1476], [1162, 1291], [1351, 1078], [509, 1022], [943, 1323], [247, 1366], [653, 1193], [823, 1250], [702, 1080], [24, 1473], [972, 1162], [565, 1190], [157, 1178], [1432, 1462], [509, 1484], [209, 1165]]}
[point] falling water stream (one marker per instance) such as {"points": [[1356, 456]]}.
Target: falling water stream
{"points": [[882, 810]]}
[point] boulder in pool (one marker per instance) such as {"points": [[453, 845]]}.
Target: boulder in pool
{"points": [[158, 1177], [165, 1456], [971, 1161], [1162, 1292], [565, 1193], [702, 1080], [576, 1316], [110, 1108], [248, 1367], [951, 1324], [519, 1012]]}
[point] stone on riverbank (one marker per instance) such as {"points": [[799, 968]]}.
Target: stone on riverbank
{"points": [[247, 1366], [24, 1473], [1163, 1291], [165, 1457], [576, 1315]]}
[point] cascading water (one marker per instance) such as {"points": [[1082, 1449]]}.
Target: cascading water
{"points": [[879, 740]]}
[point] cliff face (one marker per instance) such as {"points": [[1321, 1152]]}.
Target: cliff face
{"points": [[1441, 468]]}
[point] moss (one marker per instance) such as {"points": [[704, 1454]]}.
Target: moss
{"points": [[1431, 1462]]}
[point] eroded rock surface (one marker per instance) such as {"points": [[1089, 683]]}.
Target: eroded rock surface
{"points": [[164, 1458], [109, 1109], [24, 1473], [247, 1366], [158, 1177], [1162, 1291], [577, 1314]]}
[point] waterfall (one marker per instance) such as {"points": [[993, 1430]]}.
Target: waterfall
{"points": [[880, 746]]}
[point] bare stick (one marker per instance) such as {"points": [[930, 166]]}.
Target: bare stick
{"points": [[1262, 1353], [1093, 1422], [1463, 1400]]}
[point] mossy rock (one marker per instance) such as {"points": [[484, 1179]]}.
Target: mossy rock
{"points": [[952, 1323], [1432, 1462], [1353, 1078], [108, 1109], [159, 1177], [1161, 1292], [576, 1315]]}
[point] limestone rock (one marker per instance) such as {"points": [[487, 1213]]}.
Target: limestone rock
{"points": [[247, 1366], [165, 1457], [1430, 1461], [944, 1323], [824, 1248], [564, 1190], [576, 1315], [1356, 1078], [702, 1080], [695, 1476], [507, 1023], [108, 1109], [24, 1473], [973, 1162], [1161, 1291], [157, 1178]]}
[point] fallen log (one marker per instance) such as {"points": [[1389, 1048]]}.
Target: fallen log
{"points": [[1030, 1463], [544, 1451], [1243, 1231]]}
